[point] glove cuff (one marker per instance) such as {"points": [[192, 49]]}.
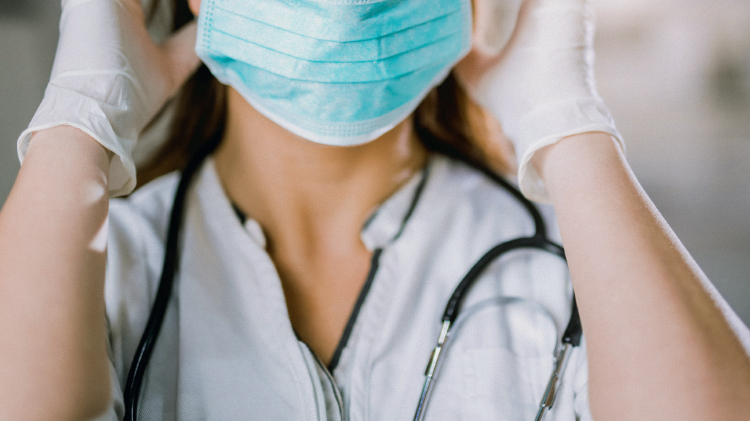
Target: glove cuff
{"points": [[88, 117], [548, 125]]}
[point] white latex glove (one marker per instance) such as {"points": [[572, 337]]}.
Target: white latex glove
{"points": [[110, 79], [538, 79]]}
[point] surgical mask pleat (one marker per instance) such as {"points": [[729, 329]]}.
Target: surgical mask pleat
{"points": [[308, 48], [339, 22], [337, 72], [335, 103]]}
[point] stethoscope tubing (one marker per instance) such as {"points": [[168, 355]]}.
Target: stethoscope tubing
{"points": [[535, 242], [573, 332], [571, 336]]}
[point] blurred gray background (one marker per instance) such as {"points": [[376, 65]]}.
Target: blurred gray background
{"points": [[675, 73]]}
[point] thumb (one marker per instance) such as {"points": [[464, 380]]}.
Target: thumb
{"points": [[182, 61]]}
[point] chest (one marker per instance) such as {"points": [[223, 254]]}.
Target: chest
{"points": [[229, 352], [228, 348], [322, 295]]}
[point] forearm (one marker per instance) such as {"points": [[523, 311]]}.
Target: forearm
{"points": [[53, 232], [660, 345]]}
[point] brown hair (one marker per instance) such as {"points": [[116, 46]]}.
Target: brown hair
{"points": [[447, 121]]}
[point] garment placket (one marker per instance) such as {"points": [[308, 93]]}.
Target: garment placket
{"points": [[257, 285]]}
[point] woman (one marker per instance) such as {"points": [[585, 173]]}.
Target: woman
{"points": [[298, 258]]}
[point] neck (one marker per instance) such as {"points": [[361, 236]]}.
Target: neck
{"points": [[312, 201], [303, 193]]}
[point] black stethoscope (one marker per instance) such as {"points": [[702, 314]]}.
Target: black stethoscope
{"points": [[570, 338]]}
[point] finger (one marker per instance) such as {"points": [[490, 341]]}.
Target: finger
{"points": [[180, 53]]}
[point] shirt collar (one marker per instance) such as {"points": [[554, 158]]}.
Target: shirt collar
{"points": [[384, 225], [387, 221]]}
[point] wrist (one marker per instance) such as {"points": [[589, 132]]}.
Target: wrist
{"points": [[577, 156], [67, 140]]}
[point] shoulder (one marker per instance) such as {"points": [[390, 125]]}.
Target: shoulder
{"points": [[138, 227], [467, 193], [463, 215], [145, 211]]}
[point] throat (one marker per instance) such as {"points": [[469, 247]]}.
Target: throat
{"points": [[321, 294]]}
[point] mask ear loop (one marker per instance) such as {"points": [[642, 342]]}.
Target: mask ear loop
{"points": [[164, 292]]}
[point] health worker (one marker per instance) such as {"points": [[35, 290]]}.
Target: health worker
{"points": [[307, 210]]}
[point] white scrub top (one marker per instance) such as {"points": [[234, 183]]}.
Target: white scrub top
{"points": [[227, 350]]}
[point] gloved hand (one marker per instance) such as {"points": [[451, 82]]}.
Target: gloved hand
{"points": [[537, 80], [110, 79]]}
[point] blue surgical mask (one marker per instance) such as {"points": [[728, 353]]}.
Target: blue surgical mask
{"points": [[337, 72]]}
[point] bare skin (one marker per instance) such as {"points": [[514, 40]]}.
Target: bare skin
{"points": [[312, 201]]}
